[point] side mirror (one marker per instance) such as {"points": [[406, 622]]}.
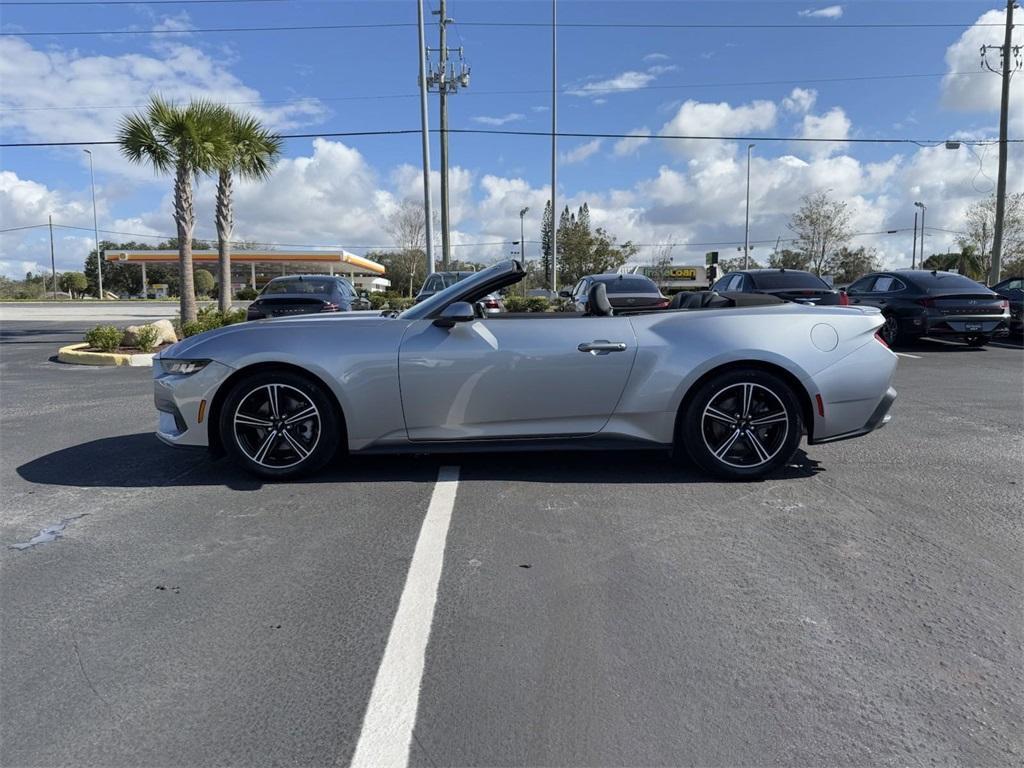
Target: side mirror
{"points": [[565, 294], [457, 312]]}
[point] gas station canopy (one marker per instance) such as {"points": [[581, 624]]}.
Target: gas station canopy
{"points": [[344, 262]]}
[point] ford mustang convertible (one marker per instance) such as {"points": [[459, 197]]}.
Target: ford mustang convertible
{"points": [[733, 380]]}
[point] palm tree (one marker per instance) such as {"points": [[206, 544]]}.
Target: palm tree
{"points": [[186, 141], [250, 151]]}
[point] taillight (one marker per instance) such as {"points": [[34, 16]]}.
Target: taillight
{"points": [[329, 307], [1004, 304], [663, 303], [926, 302], [491, 304], [844, 300], [878, 335]]}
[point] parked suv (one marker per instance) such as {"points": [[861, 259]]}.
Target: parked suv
{"points": [[305, 294], [942, 304], [790, 284]]}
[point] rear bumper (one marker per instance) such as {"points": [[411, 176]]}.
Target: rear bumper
{"points": [[878, 419], [956, 326]]}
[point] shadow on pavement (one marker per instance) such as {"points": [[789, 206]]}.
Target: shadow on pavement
{"points": [[927, 344], [142, 461]]}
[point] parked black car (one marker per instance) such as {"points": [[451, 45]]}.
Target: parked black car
{"points": [[305, 294], [789, 284], [940, 304], [1012, 289], [624, 292]]}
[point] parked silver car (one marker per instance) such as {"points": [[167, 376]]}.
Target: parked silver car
{"points": [[735, 384]]}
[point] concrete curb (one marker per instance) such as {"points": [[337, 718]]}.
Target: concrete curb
{"points": [[75, 354]]}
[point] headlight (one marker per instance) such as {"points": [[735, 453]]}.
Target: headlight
{"points": [[183, 367]]}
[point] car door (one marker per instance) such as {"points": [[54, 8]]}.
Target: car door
{"points": [[513, 377]]}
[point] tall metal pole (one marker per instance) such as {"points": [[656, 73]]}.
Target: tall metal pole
{"points": [[53, 263], [923, 207], [554, 145], [426, 141], [746, 223], [95, 226], [1004, 109], [913, 258], [522, 241], [442, 90]]}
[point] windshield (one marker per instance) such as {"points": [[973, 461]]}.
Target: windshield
{"points": [[477, 279], [788, 279], [943, 281], [298, 286]]}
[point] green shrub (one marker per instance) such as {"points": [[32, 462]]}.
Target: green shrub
{"points": [[105, 338], [514, 303], [146, 338], [204, 282], [378, 300], [246, 294], [209, 318]]}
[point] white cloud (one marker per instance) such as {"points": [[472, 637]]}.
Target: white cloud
{"points": [[715, 119], [978, 90], [661, 69], [800, 100], [582, 152], [511, 117], [624, 147], [828, 12], [834, 124], [655, 56], [627, 81]]}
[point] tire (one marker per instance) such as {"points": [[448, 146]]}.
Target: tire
{"points": [[725, 440], [279, 425], [978, 341], [890, 332]]}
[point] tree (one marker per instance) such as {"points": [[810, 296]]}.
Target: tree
{"points": [[407, 225], [966, 262], [204, 282], [821, 225], [726, 266], [847, 264], [72, 283], [547, 231], [188, 141], [582, 251], [250, 151], [661, 261], [788, 259], [979, 226]]}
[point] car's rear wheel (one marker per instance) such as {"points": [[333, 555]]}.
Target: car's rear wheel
{"points": [[890, 331], [742, 424], [279, 424], [978, 341]]}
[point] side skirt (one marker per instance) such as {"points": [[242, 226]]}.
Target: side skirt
{"points": [[504, 445]]}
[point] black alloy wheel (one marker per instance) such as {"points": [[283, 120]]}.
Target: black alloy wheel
{"points": [[742, 425], [279, 424]]}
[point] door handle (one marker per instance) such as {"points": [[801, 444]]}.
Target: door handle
{"points": [[602, 347]]}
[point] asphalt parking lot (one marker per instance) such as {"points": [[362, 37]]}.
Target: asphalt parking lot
{"points": [[864, 607]]}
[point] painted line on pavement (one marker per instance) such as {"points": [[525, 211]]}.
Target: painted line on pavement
{"points": [[391, 714], [904, 354]]}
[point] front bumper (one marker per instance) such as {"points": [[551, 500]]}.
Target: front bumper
{"points": [[878, 419], [179, 403]]}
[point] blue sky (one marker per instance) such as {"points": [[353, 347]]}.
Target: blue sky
{"points": [[730, 80]]}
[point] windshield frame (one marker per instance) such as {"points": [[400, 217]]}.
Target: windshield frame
{"points": [[496, 276]]}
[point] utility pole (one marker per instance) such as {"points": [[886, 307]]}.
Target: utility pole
{"points": [[1006, 51], [522, 241], [53, 263], [426, 144], [746, 223], [95, 226], [446, 81], [554, 146], [913, 258]]}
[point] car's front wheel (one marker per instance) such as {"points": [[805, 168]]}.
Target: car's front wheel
{"points": [[279, 424], [890, 331], [742, 424]]}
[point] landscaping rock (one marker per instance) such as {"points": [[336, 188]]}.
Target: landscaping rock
{"points": [[165, 331]]}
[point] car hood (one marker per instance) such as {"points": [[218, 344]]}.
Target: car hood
{"points": [[209, 343]]}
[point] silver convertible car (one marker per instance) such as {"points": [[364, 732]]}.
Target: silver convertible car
{"points": [[733, 380]]}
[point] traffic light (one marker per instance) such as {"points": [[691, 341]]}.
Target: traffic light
{"points": [[712, 273]]}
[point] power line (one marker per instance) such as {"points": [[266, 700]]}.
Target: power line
{"points": [[568, 134], [498, 24], [133, 2], [198, 30], [569, 91]]}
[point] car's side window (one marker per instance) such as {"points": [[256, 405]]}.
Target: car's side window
{"points": [[721, 284], [861, 285], [885, 284]]}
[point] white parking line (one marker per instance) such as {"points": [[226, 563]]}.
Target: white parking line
{"points": [[391, 715], [904, 354]]}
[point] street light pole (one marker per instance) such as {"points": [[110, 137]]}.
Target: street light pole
{"points": [[923, 208], [913, 258], [746, 223], [429, 226], [95, 226], [554, 146], [522, 236]]}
